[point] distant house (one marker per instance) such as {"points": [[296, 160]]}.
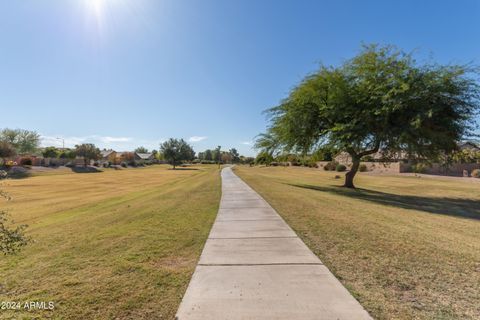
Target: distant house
{"points": [[108, 156], [402, 163], [469, 145]]}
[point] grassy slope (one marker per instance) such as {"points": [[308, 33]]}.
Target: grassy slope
{"points": [[406, 247], [119, 244]]}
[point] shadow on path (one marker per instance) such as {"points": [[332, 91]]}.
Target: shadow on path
{"points": [[458, 207]]}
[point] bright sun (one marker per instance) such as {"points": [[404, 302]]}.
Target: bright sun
{"points": [[96, 7]]}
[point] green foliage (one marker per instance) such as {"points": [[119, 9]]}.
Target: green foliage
{"points": [[466, 156], [24, 141], [381, 100], [267, 142], [177, 150], [217, 154], [6, 150], [340, 168], [235, 155], [12, 239], [322, 154], [50, 152], [264, 158], [419, 168], [363, 168], [141, 150], [88, 151], [208, 155], [67, 154]]}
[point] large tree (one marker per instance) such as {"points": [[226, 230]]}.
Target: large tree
{"points": [[177, 150], [24, 141], [88, 152], [50, 152], [141, 150], [235, 155], [208, 155], [217, 155], [380, 101]]}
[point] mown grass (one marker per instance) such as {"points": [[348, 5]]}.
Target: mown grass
{"points": [[406, 247], [111, 245]]}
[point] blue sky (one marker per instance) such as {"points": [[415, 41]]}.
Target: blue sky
{"points": [[124, 73]]}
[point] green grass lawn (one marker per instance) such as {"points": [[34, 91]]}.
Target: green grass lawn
{"points": [[111, 245], [406, 247]]}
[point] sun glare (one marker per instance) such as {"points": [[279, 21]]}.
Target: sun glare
{"points": [[96, 7]]}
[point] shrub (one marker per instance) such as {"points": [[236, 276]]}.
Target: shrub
{"points": [[18, 172], [274, 164], [363, 168], [311, 164], [123, 164], [96, 164], [419, 168], [476, 173], [340, 167], [69, 164], [3, 174], [331, 166], [106, 164], [26, 161]]}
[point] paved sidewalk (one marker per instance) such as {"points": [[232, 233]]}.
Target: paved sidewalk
{"points": [[254, 266]]}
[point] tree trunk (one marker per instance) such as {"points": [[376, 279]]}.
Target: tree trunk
{"points": [[351, 174]]}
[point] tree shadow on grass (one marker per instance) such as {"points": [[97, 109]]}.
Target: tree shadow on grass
{"points": [[185, 169], [85, 170], [457, 207]]}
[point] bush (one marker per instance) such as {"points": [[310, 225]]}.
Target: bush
{"points": [[476, 173], [106, 164], [26, 161], [96, 164], [69, 164], [419, 168], [123, 164], [331, 166], [18, 172], [3, 174], [340, 167], [311, 163], [363, 168], [274, 164]]}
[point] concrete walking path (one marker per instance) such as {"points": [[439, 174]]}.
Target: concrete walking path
{"points": [[254, 266]]}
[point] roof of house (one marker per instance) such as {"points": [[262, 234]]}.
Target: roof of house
{"points": [[106, 153], [144, 156], [468, 145]]}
